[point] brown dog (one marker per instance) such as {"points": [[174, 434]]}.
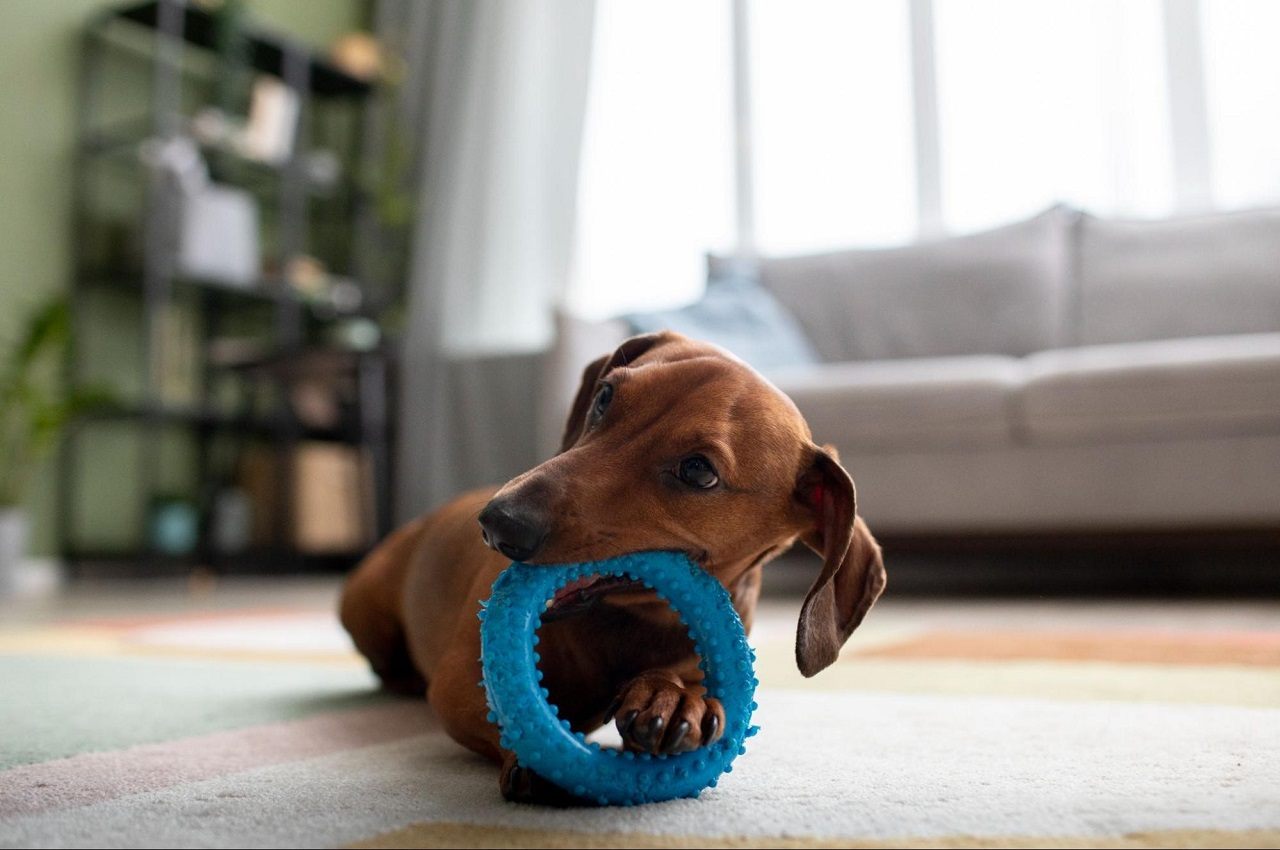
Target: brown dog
{"points": [[671, 444]]}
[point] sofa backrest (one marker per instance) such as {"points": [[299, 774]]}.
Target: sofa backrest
{"points": [[1195, 276], [1002, 291]]}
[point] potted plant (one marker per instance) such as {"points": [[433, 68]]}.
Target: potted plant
{"points": [[35, 405]]}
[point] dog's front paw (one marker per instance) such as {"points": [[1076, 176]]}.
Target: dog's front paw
{"points": [[522, 785], [657, 714]]}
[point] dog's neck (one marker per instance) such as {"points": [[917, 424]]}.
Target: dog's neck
{"points": [[743, 578], [734, 572]]}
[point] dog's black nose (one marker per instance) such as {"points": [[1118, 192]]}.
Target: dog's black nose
{"points": [[515, 530]]}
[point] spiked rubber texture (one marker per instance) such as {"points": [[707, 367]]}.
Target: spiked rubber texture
{"points": [[544, 743]]}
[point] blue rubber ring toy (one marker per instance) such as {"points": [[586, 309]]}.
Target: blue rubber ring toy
{"points": [[545, 743]]}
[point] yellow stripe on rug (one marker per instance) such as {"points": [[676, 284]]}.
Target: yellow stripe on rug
{"points": [[463, 835], [97, 642]]}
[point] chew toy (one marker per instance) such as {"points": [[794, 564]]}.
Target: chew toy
{"points": [[544, 743]]}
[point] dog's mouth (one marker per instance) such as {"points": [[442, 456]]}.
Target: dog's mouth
{"points": [[584, 593]]}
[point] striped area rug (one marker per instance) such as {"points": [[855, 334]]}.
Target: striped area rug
{"points": [[943, 725]]}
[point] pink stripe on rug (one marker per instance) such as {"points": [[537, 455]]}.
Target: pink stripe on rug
{"points": [[94, 777], [1202, 648]]}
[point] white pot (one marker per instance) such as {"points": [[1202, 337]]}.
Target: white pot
{"points": [[13, 547]]}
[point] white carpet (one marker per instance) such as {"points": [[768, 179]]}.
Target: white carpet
{"points": [[835, 765]]}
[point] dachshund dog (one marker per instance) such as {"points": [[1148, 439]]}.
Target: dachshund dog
{"points": [[671, 444]]}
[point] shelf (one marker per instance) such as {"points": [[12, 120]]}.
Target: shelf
{"points": [[183, 415], [216, 420], [303, 209], [258, 559], [121, 145], [268, 290], [316, 361], [266, 50]]}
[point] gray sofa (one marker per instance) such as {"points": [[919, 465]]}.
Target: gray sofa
{"points": [[1066, 373]]}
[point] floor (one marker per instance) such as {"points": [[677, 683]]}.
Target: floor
{"points": [[200, 712]]}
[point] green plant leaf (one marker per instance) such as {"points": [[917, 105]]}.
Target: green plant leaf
{"points": [[35, 405], [50, 327]]}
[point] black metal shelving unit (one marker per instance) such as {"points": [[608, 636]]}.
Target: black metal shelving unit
{"points": [[162, 38]]}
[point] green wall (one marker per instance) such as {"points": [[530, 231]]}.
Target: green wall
{"points": [[39, 41]]}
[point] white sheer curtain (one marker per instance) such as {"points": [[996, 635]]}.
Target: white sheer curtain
{"points": [[500, 168], [504, 90], [656, 190]]}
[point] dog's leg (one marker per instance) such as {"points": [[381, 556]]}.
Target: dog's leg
{"points": [[521, 785], [666, 711], [370, 611], [458, 700]]}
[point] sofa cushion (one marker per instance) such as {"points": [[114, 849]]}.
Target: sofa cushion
{"points": [[940, 401], [1195, 276], [740, 315], [1205, 385], [1002, 291]]}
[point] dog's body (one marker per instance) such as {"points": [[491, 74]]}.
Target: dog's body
{"points": [[671, 444]]}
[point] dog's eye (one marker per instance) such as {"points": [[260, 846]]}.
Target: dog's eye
{"points": [[697, 471], [600, 405]]}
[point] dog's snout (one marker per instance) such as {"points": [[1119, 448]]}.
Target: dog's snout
{"points": [[514, 529]]}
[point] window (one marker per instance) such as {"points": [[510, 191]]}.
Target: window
{"points": [[879, 121], [832, 127], [1242, 77], [1047, 101], [656, 186]]}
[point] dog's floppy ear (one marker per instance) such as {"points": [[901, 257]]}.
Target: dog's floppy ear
{"points": [[630, 350], [578, 411], [853, 575]]}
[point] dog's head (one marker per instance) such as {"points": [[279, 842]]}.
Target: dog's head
{"points": [[675, 444]]}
